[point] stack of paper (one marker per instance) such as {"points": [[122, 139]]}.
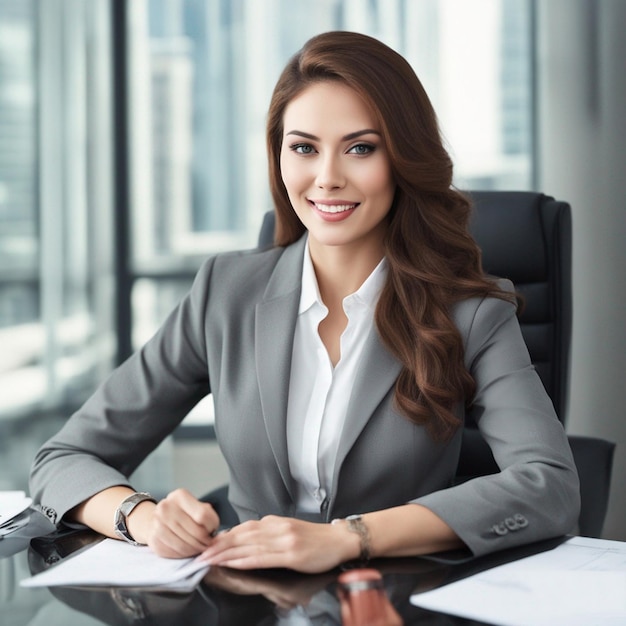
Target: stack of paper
{"points": [[114, 563], [12, 505], [580, 582]]}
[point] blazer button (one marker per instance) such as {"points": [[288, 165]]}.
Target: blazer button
{"points": [[522, 522], [500, 529]]}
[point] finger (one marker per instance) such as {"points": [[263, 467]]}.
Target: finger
{"points": [[249, 557], [202, 513], [249, 549], [221, 546], [182, 525], [170, 539], [198, 519], [244, 534], [169, 545]]}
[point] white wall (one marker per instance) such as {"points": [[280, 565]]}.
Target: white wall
{"points": [[582, 159]]}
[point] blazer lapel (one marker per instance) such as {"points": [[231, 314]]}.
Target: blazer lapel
{"points": [[375, 377], [276, 319]]}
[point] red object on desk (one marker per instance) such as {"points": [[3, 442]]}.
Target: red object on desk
{"points": [[364, 601]]}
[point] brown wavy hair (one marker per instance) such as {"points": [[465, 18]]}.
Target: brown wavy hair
{"points": [[432, 259]]}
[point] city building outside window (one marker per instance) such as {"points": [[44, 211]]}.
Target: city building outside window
{"points": [[56, 287]]}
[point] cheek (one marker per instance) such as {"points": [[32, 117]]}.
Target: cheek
{"points": [[289, 175], [378, 181]]}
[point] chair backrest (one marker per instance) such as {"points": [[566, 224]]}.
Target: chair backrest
{"points": [[527, 238]]}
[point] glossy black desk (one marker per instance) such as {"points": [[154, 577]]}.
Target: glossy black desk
{"points": [[225, 597]]}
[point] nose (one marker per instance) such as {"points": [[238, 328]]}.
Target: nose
{"points": [[330, 174]]}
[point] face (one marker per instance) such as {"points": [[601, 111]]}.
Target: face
{"points": [[335, 167]]}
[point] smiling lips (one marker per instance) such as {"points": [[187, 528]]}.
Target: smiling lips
{"points": [[334, 211]]}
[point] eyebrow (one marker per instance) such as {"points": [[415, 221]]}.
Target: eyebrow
{"points": [[348, 137]]}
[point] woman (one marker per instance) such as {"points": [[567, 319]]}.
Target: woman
{"points": [[341, 361]]}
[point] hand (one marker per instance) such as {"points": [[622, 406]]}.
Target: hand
{"points": [[283, 542], [284, 592], [178, 526]]}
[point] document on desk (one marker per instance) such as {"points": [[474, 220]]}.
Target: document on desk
{"points": [[580, 582], [12, 504], [114, 563]]}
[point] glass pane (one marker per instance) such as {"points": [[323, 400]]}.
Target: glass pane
{"points": [[152, 300], [20, 333], [56, 288], [18, 250], [18, 242], [474, 62]]}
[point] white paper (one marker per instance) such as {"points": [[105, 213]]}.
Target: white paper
{"points": [[12, 503], [580, 582], [119, 564]]}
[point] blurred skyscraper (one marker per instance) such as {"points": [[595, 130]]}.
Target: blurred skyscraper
{"points": [[18, 301]]}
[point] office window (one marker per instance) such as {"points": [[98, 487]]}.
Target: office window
{"points": [[200, 78], [56, 290], [19, 281]]}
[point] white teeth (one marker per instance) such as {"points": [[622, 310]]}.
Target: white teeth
{"points": [[334, 208]]}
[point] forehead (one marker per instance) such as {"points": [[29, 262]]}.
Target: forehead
{"points": [[328, 106]]}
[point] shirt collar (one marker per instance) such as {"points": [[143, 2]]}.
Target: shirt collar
{"points": [[367, 293], [310, 293]]}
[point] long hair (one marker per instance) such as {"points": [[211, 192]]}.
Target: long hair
{"points": [[432, 259]]}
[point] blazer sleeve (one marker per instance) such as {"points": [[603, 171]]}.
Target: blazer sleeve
{"points": [[128, 416], [536, 493]]}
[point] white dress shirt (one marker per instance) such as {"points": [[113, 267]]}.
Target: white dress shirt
{"points": [[318, 393]]}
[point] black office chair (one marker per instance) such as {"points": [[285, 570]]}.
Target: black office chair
{"points": [[527, 238]]}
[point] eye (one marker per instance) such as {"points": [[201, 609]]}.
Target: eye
{"points": [[361, 149], [302, 148]]}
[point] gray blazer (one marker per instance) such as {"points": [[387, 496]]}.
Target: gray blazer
{"points": [[232, 336]]}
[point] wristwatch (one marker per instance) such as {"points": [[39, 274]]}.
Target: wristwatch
{"points": [[122, 512]]}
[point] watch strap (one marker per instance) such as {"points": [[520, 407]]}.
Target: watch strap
{"points": [[120, 521]]}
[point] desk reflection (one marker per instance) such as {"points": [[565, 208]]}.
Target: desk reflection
{"points": [[231, 597], [237, 599], [259, 598]]}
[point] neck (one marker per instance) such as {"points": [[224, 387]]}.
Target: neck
{"points": [[341, 270]]}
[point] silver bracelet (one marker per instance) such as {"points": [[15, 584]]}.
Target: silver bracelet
{"points": [[357, 525], [120, 525]]}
